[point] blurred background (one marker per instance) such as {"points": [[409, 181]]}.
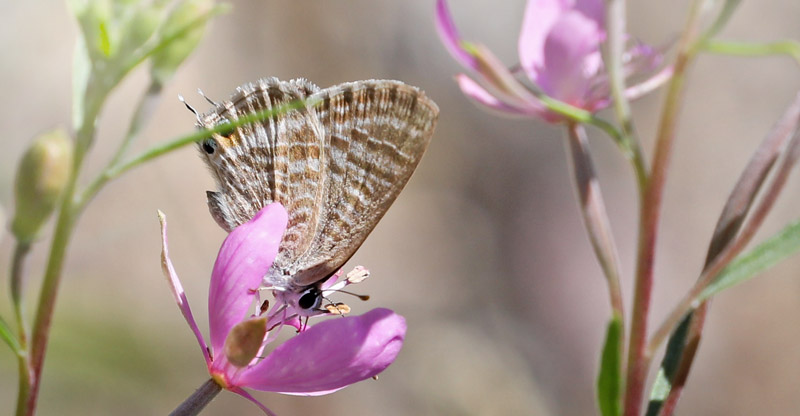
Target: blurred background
{"points": [[484, 252]]}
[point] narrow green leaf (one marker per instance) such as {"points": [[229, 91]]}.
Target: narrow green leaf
{"points": [[764, 256], [8, 336], [609, 381], [669, 366]]}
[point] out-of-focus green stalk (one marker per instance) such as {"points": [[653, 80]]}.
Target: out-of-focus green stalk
{"points": [[785, 47], [40, 331]]}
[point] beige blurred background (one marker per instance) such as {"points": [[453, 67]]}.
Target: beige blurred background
{"points": [[484, 252]]}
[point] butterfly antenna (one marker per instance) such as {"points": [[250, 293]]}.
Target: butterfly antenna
{"points": [[197, 116], [210, 101], [361, 297]]}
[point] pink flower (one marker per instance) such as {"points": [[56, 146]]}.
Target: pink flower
{"points": [[559, 52], [321, 359]]}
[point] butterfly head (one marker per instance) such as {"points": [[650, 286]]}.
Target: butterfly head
{"points": [[305, 302], [308, 301], [214, 148]]}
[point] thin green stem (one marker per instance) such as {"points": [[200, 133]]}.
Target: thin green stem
{"points": [[115, 171], [638, 359], [630, 149], [574, 113], [25, 378], [17, 280], [144, 110], [786, 47], [52, 276], [612, 55], [49, 290]]}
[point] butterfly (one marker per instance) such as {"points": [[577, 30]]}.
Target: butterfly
{"points": [[336, 164]]}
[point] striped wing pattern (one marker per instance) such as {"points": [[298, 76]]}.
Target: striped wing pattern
{"points": [[336, 165]]}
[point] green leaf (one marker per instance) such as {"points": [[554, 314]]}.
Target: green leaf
{"points": [[8, 336], [765, 255], [609, 381], [669, 366]]}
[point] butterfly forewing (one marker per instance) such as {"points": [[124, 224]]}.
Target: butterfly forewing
{"points": [[336, 165]]}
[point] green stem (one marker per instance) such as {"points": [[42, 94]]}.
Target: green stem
{"points": [[630, 149], [786, 47], [112, 172], [613, 51], [17, 275], [612, 55], [17, 280], [49, 290], [52, 276], [25, 378], [638, 359], [144, 110]]}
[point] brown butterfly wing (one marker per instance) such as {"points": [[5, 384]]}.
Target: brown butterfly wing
{"points": [[276, 160], [336, 165], [375, 134]]}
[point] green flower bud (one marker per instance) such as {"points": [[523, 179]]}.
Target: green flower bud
{"points": [[244, 341], [94, 17], [191, 14], [41, 178], [139, 27]]}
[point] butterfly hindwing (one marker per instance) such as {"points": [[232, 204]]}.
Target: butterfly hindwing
{"points": [[375, 134]]}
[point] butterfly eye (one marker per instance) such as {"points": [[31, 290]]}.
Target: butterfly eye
{"points": [[209, 146], [310, 299]]}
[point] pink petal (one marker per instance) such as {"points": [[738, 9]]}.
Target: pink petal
{"points": [[559, 47], [593, 9], [450, 37], [248, 396], [572, 58], [540, 16], [243, 260], [330, 355], [177, 288]]}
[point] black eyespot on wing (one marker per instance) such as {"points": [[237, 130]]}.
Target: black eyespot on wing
{"points": [[209, 146]]}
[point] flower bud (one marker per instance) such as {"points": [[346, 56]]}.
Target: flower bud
{"points": [[140, 26], [244, 341], [41, 177], [188, 13], [95, 19]]}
